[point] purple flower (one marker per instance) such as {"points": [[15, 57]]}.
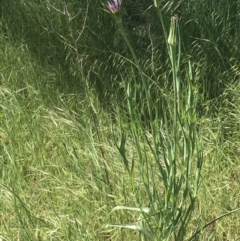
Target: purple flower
{"points": [[113, 6]]}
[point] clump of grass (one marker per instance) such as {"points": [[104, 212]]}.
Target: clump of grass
{"points": [[52, 184]]}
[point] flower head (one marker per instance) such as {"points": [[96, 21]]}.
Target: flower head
{"points": [[113, 6]]}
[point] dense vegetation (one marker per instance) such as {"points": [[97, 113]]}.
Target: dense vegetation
{"points": [[105, 122]]}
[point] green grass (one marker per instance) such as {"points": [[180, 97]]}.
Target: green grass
{"points": [[61, 173], [53, 184], [50, 170]]}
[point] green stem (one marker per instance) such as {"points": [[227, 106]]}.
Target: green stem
{"points": [[157, 5], [120, 25]]}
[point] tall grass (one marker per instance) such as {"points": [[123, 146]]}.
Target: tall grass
{"points": [[87, 131]]}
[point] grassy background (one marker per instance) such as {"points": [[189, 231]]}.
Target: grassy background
{"points": [[53, 183]]}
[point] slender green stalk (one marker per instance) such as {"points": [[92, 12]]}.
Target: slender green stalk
{"points": [[157, 7], [143, 77]]}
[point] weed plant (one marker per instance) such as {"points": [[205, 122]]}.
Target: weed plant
{"points": [[172, 144]]}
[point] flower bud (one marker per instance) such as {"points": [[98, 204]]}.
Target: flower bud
{"points": [[172, 38]]}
